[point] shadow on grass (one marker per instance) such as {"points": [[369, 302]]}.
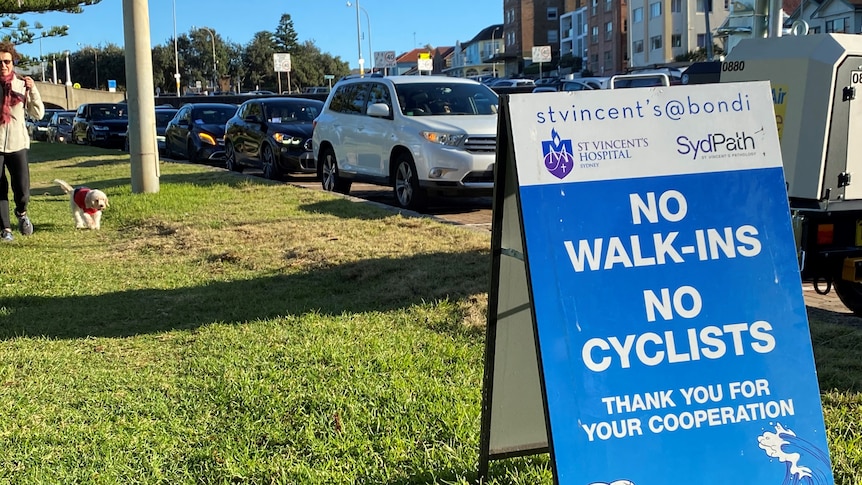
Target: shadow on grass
{"points": [[366, 286], [500, 472], [837, 340]]}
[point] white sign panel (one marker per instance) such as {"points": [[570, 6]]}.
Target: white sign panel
{"points": [[281, 62], [425, 64], [542, 53], [671, 328], [385, 59]]}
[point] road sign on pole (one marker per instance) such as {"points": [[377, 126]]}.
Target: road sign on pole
{"points": [[281, 62]]}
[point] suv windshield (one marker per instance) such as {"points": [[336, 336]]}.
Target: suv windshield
{"points": [[108, 112], [213, 116], [421, 99]]}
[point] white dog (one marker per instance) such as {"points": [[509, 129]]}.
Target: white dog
{"points": [[86, 205]]}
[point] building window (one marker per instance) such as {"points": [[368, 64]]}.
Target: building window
{"points": [[638, 46], [676, 40], [595, 6], [655, 42], [638, 15], [553, 36], [837, 25], [814, 30], [701, 40], [609, 5], [552, 13], [676, 6], [700, 5], [655, 10], [594, 38], [609, 30]]}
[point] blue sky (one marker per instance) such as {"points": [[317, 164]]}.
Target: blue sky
{"points": [[396, 25]]}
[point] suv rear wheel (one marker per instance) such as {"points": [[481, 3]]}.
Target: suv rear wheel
{"points": [[406, 184], [329, 176]]}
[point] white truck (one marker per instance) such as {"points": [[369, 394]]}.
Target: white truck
{"points": [[817, 93]]}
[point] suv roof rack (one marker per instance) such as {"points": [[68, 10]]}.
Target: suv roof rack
{"points": [[356, 76]]}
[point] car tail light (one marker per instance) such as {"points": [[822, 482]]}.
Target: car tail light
{"points": [[825, 233]]}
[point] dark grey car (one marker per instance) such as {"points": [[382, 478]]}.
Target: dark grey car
{"points": [[273, 134]]}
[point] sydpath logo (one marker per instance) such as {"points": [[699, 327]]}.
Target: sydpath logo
{"points": [[559, 159]]}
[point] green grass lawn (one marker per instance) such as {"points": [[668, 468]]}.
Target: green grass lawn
{"points": [[232, 330]]}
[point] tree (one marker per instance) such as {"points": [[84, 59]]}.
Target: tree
{"points": [[257, 60], [699, 54], [28, 6], [309, 65], [285, 35]]}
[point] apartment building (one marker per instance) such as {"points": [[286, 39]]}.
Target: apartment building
{"points": [[661, 30], [608, 35], [528, 24]]}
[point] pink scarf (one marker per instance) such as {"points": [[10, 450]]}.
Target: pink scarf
{"points": [[10, 98]]}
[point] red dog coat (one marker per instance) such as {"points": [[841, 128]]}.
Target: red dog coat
{"points": [[80, 198]]}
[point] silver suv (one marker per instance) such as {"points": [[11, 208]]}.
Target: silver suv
{"points": [[418, 134]]}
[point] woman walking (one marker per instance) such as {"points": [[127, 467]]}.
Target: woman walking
{"points": [[19, 94]]}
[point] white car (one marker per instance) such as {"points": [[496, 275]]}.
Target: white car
{"points": [[418, 134]]}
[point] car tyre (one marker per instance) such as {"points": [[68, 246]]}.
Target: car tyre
{"points": [[191, 154], [330, 177], [269, 164], [230, 162], [850, 294], [405, 185]]}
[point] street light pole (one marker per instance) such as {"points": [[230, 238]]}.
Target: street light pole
{"points": [[496, 50], [176, 50], [96, 61], [68, 72], [212, 36], [367, 21], [359, 41]]}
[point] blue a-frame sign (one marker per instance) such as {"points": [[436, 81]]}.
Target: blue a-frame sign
{"points": [[646, 320]]}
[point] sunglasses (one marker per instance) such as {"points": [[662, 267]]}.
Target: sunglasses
{"points": [[6, 61]]}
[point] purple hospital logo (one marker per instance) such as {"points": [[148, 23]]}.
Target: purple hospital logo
{"points": [[558, 155]]}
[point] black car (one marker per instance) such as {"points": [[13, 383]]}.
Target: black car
{"points": [[273, 134], [60, 126], [100, 124], [38, 129], [196, 132], [164, 114]]}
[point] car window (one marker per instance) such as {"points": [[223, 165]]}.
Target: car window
{"points": [[164, 116], [350, 98], [441, 98], [290, 112], [253, 109], [380, 94]]}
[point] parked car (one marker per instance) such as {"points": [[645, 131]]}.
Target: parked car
{"points": [[316, 90], [38, 129], [100, 124], [513, 82], [418, 134], [575, 85], [196, 132], [60, 127], [273, 134], [164, 114]]}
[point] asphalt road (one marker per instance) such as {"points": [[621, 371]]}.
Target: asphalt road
{"points": [[472, 212]]}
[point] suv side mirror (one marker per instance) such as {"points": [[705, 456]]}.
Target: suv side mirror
{"points": [[379, 110]]}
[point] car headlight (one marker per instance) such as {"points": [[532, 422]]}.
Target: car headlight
{"points": [[287, 139], [206, 138], [100, 128], [449, 139]]}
